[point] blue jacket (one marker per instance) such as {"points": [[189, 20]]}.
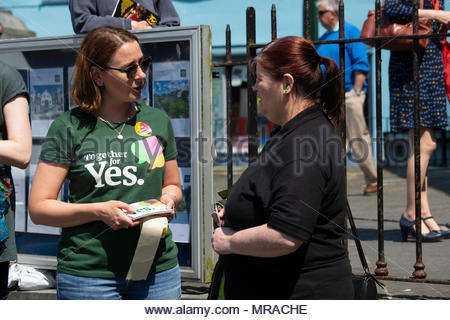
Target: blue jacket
{"points": [[355, 53], [90, 14]]}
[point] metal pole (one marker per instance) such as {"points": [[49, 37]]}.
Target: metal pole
{"points": [[342, 72], [381, 269], [310, 24], [273, 19], [418, 266], [228, 71], [252, 120], [306, 20]]}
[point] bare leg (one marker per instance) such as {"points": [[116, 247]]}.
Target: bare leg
{"points": [[427, 147]]}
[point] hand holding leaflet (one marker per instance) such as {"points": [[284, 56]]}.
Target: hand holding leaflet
{"points": [[215, 215], [147, 208]]}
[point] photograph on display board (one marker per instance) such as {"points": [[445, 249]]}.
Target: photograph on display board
{"points": [[72, 103], [180, 225], [171, 88], [46, 98]]}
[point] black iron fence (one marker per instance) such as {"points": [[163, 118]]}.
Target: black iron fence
{"points": [[381, 271]]}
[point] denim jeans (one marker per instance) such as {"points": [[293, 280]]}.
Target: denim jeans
{"points": [[165, 285]]}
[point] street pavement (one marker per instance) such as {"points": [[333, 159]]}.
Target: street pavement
{"points": [[400, 256]]}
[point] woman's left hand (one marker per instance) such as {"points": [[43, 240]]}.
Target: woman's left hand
{"points": [[221, 240], [170, 204]]}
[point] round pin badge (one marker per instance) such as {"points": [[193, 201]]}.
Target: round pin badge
{"points": [[143, 129]]}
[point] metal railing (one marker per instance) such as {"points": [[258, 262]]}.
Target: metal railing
{"points": [[381, 272]]}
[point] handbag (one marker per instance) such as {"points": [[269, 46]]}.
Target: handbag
{"points": [[446, 65], [365, 286], [445, 55], [394, 29], [216, 289]]}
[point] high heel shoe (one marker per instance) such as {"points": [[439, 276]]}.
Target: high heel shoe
{"points": [[407, 226], [445, 234]]}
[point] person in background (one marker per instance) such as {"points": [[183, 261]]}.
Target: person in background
{"points": [[356, 69], [90, 14], [433, 109], [114, 151], [283, 231], [15, 150]]}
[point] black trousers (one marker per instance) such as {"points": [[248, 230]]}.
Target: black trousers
{"points": [[4, 269]]}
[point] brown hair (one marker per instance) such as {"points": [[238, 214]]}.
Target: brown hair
{"points": [[299, 58], [97, 48]]}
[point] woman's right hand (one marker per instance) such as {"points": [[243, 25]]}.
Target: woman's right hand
{"points": [[113, 215], [139, 25], [219, 215]]}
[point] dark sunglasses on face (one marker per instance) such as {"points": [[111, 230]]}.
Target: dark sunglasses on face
{"points": [[131, 71], [322, 12]]}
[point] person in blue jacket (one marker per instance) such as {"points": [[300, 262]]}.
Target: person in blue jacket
{"points": [[356, 69], [90, 14]]}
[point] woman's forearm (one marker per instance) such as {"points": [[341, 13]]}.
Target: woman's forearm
{"points": [[261, 241], [440, 16], [61, 214], [14, 153]]}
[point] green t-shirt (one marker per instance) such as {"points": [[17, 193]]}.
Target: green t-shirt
{"points": [[104, 168], [11, 85]]}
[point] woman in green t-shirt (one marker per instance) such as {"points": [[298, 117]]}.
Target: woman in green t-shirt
{"points": [[114, 151]]}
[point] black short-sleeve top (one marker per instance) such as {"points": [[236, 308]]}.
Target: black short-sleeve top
{"points": [[296, 186]]}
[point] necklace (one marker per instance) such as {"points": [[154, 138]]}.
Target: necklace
{"points": [[119, 133]]}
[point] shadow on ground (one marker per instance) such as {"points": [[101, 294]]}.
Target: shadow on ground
{"points": [[368, 234], [438, 177]]}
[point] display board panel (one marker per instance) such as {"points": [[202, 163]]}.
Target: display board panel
{"points": [[178, 82]]}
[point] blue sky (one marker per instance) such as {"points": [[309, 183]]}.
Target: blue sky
{"points": [[55, 20]]}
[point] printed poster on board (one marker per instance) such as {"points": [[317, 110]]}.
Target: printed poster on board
{"points": [[171, 93], [72, 103], [46, 98], [180, 225]]}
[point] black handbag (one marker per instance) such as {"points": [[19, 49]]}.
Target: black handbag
{"points": [[216, 288], [365, 286]]}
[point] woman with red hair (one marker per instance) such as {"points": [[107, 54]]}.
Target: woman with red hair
{"points": [[283, 229]]}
